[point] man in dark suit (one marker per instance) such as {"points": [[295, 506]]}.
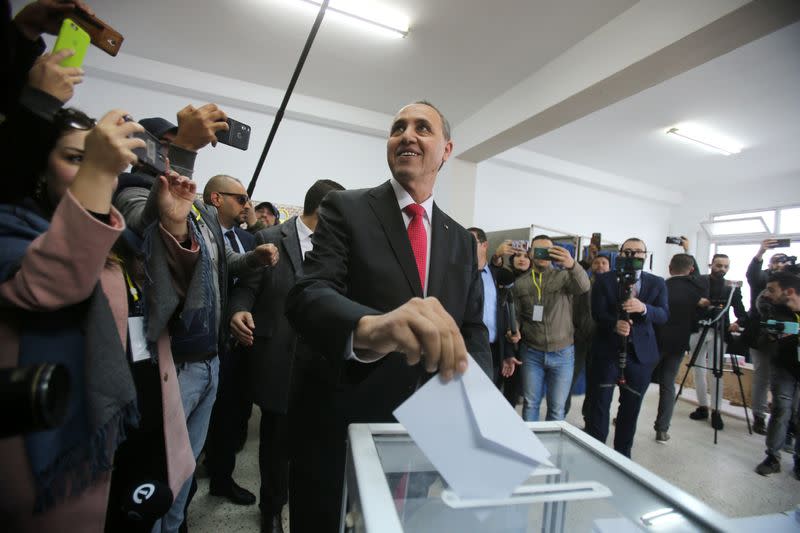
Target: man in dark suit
{"points": [[390, 293], [646, 306], [259, 323], [495, 306], [228, 425]]}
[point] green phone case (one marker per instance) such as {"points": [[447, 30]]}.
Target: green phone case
{"points": [[75, 38]]}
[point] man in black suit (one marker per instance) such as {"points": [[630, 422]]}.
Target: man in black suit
{"points": [[259, 323], [646, 307], [686, 294], [390, 293], [495, 306], [228, 424]]}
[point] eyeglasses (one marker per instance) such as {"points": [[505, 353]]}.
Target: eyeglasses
{"points": [[241, 199], [72, 119]]}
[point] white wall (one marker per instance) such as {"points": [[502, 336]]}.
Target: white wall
{"points": [[301, 153], [512, 197]]}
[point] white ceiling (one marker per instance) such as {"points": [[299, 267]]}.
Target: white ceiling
{"points": [[751, 94], [460, 54]]}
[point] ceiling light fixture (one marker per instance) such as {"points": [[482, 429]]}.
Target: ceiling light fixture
{"points": [[391, 22], [705, 138]]}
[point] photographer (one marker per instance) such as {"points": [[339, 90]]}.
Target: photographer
{"points": [[762, 347], [642, 298], [783, 288], [716, 297], [543, 303]]}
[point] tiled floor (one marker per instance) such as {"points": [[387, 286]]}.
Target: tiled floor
{"points": [[721, 475]]}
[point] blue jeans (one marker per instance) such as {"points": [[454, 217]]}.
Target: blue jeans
{"points": [[198, 383], [552, 368]]}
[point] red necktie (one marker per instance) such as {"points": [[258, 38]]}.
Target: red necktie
{"points": [[418, 238]]}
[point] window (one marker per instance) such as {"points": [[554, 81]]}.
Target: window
{"points": [[789, 221], [768, 216]]}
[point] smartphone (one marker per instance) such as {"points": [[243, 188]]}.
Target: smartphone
{"points": [[238, 135], [150, 157], [520, 245], [541, 253], [595, 240], [782, 243], [674, 240], [75, 38], [102, 35]]}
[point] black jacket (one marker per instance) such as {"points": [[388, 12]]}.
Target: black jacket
{"points": [[683, 294]]}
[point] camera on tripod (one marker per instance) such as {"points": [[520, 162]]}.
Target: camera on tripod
{"points": [[35, 398]]}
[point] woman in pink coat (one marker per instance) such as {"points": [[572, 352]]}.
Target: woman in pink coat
{"points": [[65, 292]]}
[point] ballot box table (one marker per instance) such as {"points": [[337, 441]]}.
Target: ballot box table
{"points": [[391, 487]]}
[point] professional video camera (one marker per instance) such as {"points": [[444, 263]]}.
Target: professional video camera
{"points": [[628, 268], [34, 398]]}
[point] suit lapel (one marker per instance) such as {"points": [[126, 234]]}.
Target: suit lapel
{"points": [[383, 202], [291, 243], [441, 244]]}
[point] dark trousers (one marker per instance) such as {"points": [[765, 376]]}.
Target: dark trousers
{"points": [[581, 364], [665, 374], [228, 425], [604, 372], [273, 461], [316, 448]]}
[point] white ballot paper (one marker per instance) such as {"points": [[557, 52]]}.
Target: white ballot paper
{"points": [[472, 435]]}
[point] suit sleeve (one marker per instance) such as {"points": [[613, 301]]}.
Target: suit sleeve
{"points": [[658, 307], [753, 274], [317, 306], [476, 336], [243, 295], [738, 306]]}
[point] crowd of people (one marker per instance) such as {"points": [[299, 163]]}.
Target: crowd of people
{"points": [[574, 319], [174, 314]]}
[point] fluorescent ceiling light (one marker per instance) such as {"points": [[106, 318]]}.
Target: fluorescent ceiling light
{"points": [[367, 12], [705, 138]]}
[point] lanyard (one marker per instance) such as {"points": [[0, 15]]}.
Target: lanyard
{"points": [[197, 215], [538, 284], [131, 287]]}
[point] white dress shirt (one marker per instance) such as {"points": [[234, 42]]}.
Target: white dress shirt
{"points": [[304, 235]]}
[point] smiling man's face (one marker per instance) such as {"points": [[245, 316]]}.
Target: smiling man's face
{"points": [[417, 146]]}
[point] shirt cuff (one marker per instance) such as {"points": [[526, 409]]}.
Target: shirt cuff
{"points": [[366, 356]]}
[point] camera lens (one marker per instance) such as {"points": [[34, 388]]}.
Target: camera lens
{"points": [[38, 397]]}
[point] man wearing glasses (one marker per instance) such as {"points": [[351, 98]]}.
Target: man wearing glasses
{"points": [[646, 306]]}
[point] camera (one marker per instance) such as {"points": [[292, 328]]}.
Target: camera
{"points": [[776, 327], [35, 398], [541, 253]]}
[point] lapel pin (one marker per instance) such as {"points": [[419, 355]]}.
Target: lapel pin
{"points": [[446, 226]]}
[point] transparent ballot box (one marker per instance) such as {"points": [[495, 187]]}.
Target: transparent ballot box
{"points": [[390, 487]]}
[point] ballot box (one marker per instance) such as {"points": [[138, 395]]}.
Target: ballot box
{"points": [[390, 487]]}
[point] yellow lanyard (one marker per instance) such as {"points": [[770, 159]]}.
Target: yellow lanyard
{"points": [[197, 215], [131, 287], [538, 284]]}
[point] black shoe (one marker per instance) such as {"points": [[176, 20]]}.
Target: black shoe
{"points": [[770, 465], [701, 413], [716, 421], [233, 492], [662, 437], [271, 523], [760, 425]]}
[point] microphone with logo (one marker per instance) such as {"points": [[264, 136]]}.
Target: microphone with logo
{"points": [[505, 281], [143, 503]]}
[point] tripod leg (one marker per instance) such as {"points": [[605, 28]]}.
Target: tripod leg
{"points": [[738, 371], [692, 360]]}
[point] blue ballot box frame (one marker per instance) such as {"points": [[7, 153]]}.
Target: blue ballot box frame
{"points": [[382, 458]]}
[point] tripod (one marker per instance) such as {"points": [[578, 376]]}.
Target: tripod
{"points": [[716, 326]]}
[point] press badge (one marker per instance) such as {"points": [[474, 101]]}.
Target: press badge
{"points": [[538, 313], [139, 351]]}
